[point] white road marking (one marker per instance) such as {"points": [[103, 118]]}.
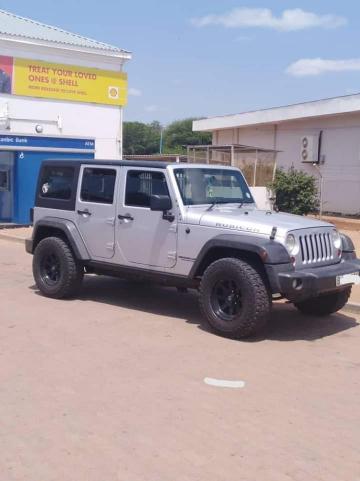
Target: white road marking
{"points": [[224, 383]]}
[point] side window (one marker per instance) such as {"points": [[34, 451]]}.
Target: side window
{"points": [[98, 185], [56, 182], [141, 185]]}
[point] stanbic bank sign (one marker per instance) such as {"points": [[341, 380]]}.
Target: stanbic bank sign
{"points": [[34, 78]]}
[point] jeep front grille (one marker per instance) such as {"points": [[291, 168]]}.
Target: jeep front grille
{"points": [[316, 247]]}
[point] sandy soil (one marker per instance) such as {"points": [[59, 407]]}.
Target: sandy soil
{"points": [[111, 387]]}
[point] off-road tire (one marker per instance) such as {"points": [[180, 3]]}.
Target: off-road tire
{"points": [[68, 276], [255, 298], [325, 304]]}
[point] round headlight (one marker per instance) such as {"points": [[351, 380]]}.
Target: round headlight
{"points": [[290, 243], [336, 239]]}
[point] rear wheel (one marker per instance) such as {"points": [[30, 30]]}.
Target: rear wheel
{"points": [[325, 304], [56, 271], [234, 299]]}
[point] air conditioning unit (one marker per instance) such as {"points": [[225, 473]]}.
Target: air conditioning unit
{"points": [[309, 151]]}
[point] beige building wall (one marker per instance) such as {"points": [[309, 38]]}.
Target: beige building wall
{"points": [[340, 152]]}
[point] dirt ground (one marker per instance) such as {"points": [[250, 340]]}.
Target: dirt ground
{"points": [[344, 223], [111, 387]]}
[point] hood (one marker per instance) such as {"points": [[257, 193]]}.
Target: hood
{"points": [[250, 219]]}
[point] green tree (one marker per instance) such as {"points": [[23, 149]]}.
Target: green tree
{"points": [[296, 192], [179, 134], [141, 139]]}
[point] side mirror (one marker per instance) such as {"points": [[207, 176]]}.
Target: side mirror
{"points": [[160, 203]]}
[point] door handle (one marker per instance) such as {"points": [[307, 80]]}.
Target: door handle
{"points": [[84, 212], [126, 217]]}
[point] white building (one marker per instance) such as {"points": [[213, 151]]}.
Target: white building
{"points": [[61, 94], [326, 132]]}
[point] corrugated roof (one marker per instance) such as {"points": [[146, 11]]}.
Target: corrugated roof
{"points": [[21, 27]]}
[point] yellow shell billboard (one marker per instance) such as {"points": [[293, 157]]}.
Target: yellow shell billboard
{"points": [[34, 78]]}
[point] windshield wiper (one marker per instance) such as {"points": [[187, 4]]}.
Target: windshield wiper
{"points": [[244, 202], [212, 206]]}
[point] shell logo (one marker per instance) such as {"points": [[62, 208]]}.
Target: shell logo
{"points": [[113, 92]]}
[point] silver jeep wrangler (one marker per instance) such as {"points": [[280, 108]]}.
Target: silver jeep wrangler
{"points": [[188, 226]]}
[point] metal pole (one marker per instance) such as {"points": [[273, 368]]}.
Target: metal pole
{"points": [[321, 189], [255, 168], [232, 156], [161, 140], [275, 151], [321, 196], [274, 169], [121, 134], [207, 155]]}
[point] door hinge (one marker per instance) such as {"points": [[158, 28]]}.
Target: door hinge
{"points": [[171, 255], [110, 246], [110, 220]]}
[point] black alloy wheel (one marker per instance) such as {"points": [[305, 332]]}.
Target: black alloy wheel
{"points": [[226, 299], [57, 272], [50, 269], [234, 298]]}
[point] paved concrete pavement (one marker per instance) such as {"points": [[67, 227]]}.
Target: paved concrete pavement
{"points": [[111, 387]]}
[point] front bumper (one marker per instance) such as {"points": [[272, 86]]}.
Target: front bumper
{"points": [[302, 284]]}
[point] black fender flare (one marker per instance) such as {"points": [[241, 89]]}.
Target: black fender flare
{"points": [[269, 251], [347, 243], [70, 231]]}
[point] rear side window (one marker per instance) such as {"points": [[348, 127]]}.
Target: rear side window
{"points": [[98, 185], [140, 185], [56, 182]]}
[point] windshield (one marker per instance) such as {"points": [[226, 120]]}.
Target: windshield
{"points": [[210, 186]]}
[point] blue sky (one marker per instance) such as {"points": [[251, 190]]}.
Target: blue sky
{"points": [[206, 57]]}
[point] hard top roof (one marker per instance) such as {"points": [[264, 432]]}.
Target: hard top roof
{"points": [[133, 163], [116, 163]]}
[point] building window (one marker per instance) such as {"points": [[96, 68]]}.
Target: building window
{"points": [[56, 182], [141, 185], [98, 185]]}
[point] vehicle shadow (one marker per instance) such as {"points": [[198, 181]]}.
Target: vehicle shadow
{"points": [[142, 296], [286, 323]]}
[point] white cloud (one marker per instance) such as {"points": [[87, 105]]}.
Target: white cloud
{"points": [[151, 108], [134, 92], [317, 66], [295, 19]]}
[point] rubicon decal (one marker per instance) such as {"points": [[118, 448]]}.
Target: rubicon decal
{"points": [[238, 227]]}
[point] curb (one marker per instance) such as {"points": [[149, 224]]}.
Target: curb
{"points": [[12, 238], [353, 307]]}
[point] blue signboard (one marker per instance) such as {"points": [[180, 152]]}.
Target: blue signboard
{"points": [[20, 142]]}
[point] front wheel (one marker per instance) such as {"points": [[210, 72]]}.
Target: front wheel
{"points": [[325, 304], [56, 271], [234, 299]]}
